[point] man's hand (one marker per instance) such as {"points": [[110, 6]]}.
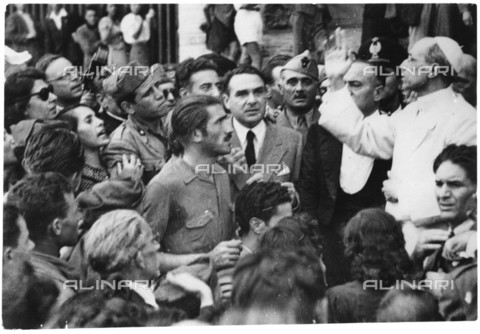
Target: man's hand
{"points": [[337, 59], [226, 253], [88, 98], [291, 190], [130, 167], [456, 247], [429, 240]]}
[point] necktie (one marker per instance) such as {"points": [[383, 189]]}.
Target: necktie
{"points": [[250, 149], [302, 126]]}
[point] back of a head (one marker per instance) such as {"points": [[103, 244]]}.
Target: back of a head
{"points": [[102, 308], [190, 113], [113, 240], [291, 281], [286, 236], [11, 230], [26, 298], [57, 150], [223, 64], [408, 305], [40, 198], [275, 61], [17, 86], [258, 200], [375, 245]]}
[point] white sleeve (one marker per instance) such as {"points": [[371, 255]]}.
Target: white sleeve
{"points": [[371, 136]]}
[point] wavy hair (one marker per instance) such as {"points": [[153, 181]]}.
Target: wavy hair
{"points": [[375, 245]]}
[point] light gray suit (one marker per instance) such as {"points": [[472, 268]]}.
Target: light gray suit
{"points": [[281, 147]]}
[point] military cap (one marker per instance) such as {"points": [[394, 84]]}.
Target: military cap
{"points": [[304, 64], [381, 50], [125, 80]]}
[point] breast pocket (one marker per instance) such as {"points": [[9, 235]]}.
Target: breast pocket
{"points": [[198, 234]]}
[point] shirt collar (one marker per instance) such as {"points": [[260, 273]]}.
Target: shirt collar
{"points": [[427, 101], [259, 130], [141, 126], [189, 173]]}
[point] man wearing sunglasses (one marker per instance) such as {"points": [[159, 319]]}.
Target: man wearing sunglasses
{"points": [[137, 92], [28, 96], [64, 78]]}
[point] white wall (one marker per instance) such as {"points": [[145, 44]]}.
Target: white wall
{"points": [[191, 39]]}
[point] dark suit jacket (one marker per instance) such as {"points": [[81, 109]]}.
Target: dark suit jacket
{"points": [[280, 146], [61, 41], [319, 183]]}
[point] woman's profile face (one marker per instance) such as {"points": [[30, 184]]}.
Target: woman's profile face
{"points": [[90, 129]]}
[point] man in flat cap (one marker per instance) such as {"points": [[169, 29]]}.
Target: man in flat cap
{"points": [[336, 182], [299, 89], [142, 135], [413, 137]]}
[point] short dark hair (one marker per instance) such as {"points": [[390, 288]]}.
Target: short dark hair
{"points": [[72, 121], [40, 198], [91, 7], [375, 245], [242, 69], [279, 279], [190, 66], [44, 61], [19, 85], [190, 113], [57, 150], [409, 305], [287, 236], [462, 155], [11, 230], [258, 200], [272, 63], [223, 64]]}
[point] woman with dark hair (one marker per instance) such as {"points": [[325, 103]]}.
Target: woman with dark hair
{"points": [[92, 135], [112, 36], [375, 245]]}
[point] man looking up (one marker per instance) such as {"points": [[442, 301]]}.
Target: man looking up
{"points": [[188, 203], [412, 138]]}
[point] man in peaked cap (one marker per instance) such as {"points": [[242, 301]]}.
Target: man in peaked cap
{"points": [[414, 137], [136, 92], [385, 55], [299, 88]]}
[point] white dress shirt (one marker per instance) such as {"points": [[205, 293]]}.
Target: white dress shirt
{"points": [[355, 169], [57, 18], [259, 130]]}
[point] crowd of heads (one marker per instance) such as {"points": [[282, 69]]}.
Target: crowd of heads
{"points": [[54, 229]]}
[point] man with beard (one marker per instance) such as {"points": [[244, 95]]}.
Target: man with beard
{"points": [[299, 89], [142, 135], [188, 203]]}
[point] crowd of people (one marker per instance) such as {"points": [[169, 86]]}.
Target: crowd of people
{"points": [[338, 188]]}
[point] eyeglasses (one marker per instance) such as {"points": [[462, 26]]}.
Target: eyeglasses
{"points": [[43, 94], [69, 76], [169, 91]]}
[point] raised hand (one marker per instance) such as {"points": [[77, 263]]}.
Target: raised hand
{"points": [[337, 56]]}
